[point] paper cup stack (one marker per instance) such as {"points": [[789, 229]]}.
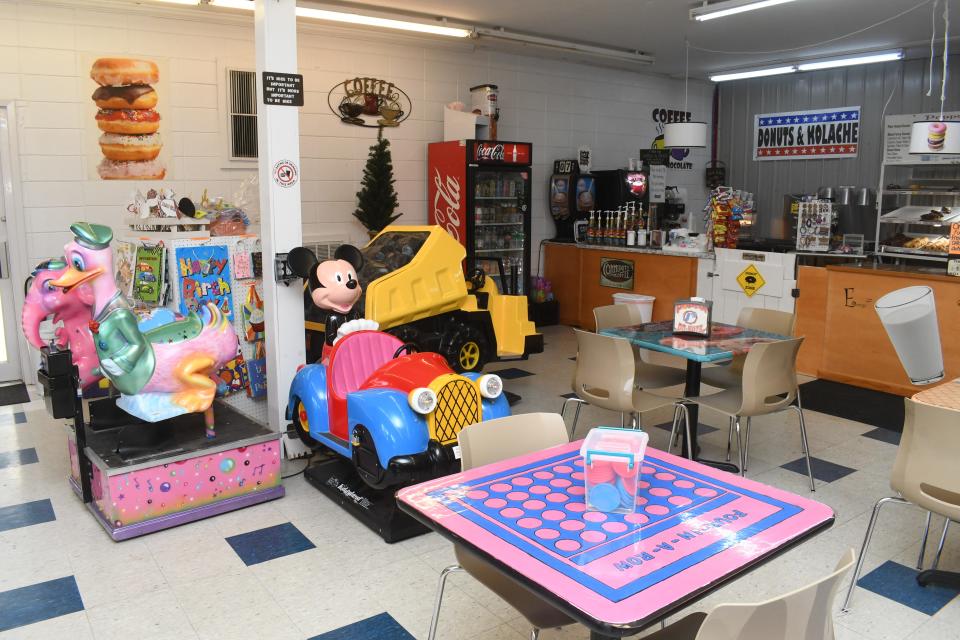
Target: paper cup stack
{"points": [[130, 142]]}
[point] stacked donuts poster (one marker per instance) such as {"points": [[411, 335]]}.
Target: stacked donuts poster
{"points": [[126, 98]]}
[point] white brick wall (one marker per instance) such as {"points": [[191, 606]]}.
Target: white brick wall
{"points": [[556, 106]]}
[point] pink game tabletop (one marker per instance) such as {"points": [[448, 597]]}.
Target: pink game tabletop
{"points": [[695, 528]]}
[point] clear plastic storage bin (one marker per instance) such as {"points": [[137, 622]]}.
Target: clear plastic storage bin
{"points": [[612, 459]]}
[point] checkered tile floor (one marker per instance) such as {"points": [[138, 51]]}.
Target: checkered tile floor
{"points": [[301, 568]]}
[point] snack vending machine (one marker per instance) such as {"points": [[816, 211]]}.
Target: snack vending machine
{"points": [[479, 191]]}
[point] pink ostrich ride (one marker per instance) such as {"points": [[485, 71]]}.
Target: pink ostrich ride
{"points": [[162, 372], [73, 309]]}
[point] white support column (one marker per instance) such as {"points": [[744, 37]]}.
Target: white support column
{"points": [[278, 135]]}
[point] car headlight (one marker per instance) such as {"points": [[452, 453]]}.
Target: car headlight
{"points": [[491, 386], [422, 400]]}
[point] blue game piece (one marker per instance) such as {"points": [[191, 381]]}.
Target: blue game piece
{"points": [[604, 497], [627, 497]]}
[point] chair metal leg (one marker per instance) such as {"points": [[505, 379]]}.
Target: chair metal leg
{"points": [[729, 439], [943, 538], [623, 420], [746, 447], [806, 446], [673, 429], [736, 425], [432, 634], [863, 549], [534, 634], [686, 419], [923, 543]]}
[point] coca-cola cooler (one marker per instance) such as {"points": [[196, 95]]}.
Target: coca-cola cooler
{"points": [[479, 191]]}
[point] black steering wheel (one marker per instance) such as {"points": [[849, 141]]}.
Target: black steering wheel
{"points": [[408, 347], [478, 278]]}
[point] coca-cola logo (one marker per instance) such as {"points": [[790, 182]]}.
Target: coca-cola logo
{"points": [[489, 151], [447, 212]]}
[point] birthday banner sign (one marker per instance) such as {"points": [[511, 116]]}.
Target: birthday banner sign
{"points": [[803, 135], [204, 276]]}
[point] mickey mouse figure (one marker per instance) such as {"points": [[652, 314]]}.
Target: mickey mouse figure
{"points": [[333, 287]]}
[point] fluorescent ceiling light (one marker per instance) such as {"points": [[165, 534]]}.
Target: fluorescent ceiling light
{"points": [[756, 73], [563, 45], [870, 58], [356, 18], [386, 23], [731, 7]]}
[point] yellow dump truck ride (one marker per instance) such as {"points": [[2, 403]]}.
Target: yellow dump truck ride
{"points": [[415, 288]]}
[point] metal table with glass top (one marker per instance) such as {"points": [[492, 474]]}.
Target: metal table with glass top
{"points": [[725, 342]]}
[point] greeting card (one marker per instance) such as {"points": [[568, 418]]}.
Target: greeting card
{"points": [[203, 274]]}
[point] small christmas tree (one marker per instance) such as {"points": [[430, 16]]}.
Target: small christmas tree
{"points": [[377, 199]]}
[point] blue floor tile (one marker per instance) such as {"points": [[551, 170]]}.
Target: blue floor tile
{"points": [[512, 373], [270, 543], [26, 514], [823, 470], [16, 458], [13, 418], [884, 435], [39, 602], [899, 583], [381, 626]]}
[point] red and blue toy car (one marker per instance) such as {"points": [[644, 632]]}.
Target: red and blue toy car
{"points": [[392, 410]]}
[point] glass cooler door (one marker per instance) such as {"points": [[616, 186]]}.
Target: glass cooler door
{"points": [[501, 227]]}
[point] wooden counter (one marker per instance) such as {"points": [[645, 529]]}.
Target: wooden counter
{"points": [[574, 271], [845, 340]]}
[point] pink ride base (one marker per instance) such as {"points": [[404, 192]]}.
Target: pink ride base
{"points": [[138, 502]]}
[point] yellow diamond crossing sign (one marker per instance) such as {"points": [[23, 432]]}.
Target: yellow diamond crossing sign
{"points": [[750, 280]]}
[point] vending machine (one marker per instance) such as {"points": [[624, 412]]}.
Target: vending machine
{"points": [[571, 197], [479, 191]]}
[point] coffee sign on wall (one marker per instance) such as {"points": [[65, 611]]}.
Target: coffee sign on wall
{"points": [[616, 273], [369, 102]]}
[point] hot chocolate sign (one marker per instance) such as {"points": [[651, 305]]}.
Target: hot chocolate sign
{"points": [[369, 102]]}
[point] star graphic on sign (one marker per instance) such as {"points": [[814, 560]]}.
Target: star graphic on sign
{"points": [[833, 116], [796, 119], [843, 115], [806, 118], [854, 115], [779, 120], [852, 149], [762, 122], [833, 149], [777, 152], [814, 118]]}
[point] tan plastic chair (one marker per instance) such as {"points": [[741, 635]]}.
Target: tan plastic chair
{"points": [[803, 614], [606, 377], [492, 441], [731, 375], [924, 472], [769, 320], [769, 386], [628, 315]]}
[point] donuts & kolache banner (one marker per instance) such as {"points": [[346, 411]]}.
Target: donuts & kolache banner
{"points": [[127, 118], [832, 132]]}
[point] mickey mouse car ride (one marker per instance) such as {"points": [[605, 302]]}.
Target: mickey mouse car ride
{"points": [[395, 412]]}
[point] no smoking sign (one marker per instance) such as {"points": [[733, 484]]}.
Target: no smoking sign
{"points": [[285, 173]]}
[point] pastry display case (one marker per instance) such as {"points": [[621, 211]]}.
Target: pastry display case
{"points": [[915, 219]]}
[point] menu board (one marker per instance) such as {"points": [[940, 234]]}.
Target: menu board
{"points": [[813, 226], [896, 139]]}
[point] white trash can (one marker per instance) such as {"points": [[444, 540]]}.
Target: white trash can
{"points": [[644, 302]]}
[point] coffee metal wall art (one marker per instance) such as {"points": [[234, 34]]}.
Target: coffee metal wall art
{"points": [[369, 102]]}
